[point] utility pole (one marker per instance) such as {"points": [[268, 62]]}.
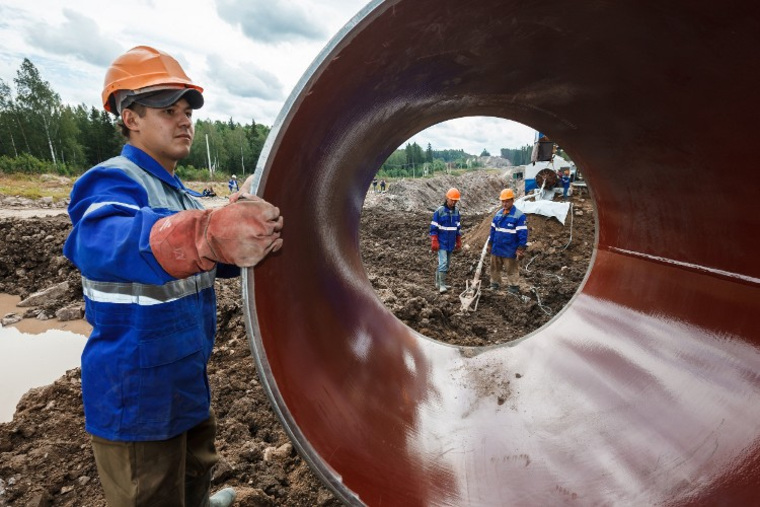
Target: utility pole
{"points": [[208, 157]]}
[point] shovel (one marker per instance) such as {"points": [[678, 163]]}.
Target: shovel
{"points": [[471, 293]]}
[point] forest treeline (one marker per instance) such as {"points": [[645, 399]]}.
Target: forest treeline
{"points": [[39, 134], [413, 161]]}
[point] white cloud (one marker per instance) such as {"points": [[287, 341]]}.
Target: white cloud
{"points": [[248, 55], [475, 134], [245, 79], [79, 36], [272, 20]]}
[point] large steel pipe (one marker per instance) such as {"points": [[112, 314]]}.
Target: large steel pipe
{"points": [[644, 390]]}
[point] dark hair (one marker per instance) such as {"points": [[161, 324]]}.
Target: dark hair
{"points": [[137, 108]]}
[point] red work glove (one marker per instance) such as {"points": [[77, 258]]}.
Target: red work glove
{"points": [[192, 241], [434, 246], [458, 245]]}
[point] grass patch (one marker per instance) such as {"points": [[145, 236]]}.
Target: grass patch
{"points": [[36, 186]]}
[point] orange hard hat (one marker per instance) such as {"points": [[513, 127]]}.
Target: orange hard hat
{"points": [[453, 194], [143, 67], [506, 194]]}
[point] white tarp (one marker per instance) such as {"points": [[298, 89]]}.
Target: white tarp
{"points": [[559, 210]]}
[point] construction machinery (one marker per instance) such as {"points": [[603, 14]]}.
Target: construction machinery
{"points": [[471, 293]]}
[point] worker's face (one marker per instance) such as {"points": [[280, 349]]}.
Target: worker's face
{"points": [[450, 202], [507, 203], [165, 134]]}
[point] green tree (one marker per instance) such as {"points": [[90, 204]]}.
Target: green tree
{"points": [[103, 140], [236, 145], [458, 156], [414, 158], [206, 135], [256, 135], [40, 108], [394, 164], [232, 148], [7, 141], [36, 128], [69, 150], [518, 156]]}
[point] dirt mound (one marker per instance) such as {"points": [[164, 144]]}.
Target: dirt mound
{"points": [[45, 456], [31, 258], [479, 189], [404, 278]]}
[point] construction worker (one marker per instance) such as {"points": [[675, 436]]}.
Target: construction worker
{"points": [[445, 236], [508, 240], [149, 253], [233, 184], [565, 179]]}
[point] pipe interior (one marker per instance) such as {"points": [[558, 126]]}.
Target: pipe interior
{"points": [[640, 391]]}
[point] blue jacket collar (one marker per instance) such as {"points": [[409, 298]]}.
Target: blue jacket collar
{"points": [[150, 164], [510, 212]]}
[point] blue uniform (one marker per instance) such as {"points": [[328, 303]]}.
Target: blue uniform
{"points": [[144, 365], [447, 226], [508, 231], [233, 185], [565, 184]]}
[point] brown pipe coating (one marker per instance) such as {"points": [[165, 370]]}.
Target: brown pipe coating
{"points": [[645, 389]]}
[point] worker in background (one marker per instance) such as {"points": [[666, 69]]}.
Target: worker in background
{"points": [[508, 241], [149, 253], [209, 191], [565, 179], [382, 185], [445, 236], [233, 184]]}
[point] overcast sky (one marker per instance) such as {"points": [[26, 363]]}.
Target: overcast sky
{"points": [[248, 55]]}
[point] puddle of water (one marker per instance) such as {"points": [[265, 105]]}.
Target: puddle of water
{"points": [[35, 353], [35, 326], [29, 360]]}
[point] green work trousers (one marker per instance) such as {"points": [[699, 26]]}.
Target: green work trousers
{"points": [[511, 266], [166, 473]]}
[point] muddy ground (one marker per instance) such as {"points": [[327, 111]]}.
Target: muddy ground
{"points": [[45, 457]]}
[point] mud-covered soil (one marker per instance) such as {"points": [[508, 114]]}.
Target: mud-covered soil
{"points": [[45, 457]]}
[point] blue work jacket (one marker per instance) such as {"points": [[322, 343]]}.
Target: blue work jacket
{"points": [[144, 364], [508, 232], [447, 226]]}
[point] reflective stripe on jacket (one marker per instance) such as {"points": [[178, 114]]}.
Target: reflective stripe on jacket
{"points": [[508, 232], [144, 364], [446, 225]]}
